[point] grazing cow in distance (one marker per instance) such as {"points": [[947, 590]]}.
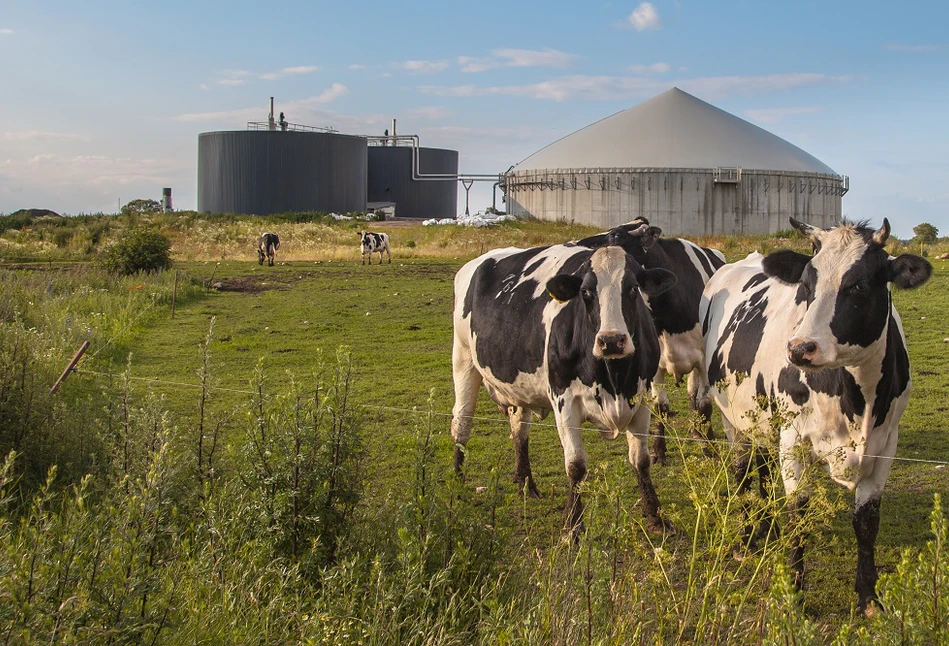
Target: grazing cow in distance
{"points": [[814, 346], [560, 328], [267, 246], [370, 243], [675, 313]]}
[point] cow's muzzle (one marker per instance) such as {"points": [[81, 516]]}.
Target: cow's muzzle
{"points": [[613, 345], [803, 353]]}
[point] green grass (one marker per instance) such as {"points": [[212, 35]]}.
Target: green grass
{"points": [[396, 319]]}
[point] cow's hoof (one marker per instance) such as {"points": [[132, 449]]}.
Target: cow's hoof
{"points": [[660, 526], [869, 607], [657, 458], [526, 486]]}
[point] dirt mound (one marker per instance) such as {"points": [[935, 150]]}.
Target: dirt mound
{"points": [[246, 284]]}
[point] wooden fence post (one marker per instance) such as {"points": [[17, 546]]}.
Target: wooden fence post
{"points": [[72, 364], [174, 295]]}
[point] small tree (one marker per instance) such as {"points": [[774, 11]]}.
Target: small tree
{"points": [[926, 234], [136, 207], [139, 249]]}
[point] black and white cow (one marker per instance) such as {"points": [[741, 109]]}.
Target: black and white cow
{"points": [[370, 243], [267, 245], [814, 346], [560, 328], [675, 313]]}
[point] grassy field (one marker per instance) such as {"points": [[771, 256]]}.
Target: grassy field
{"points": [[262, 329], [396, 319]]}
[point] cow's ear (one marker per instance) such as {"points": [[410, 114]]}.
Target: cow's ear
{"points": [[909, 271], [812, 232], [563, 287], [785, 265], [650, 235], [656, 281]]}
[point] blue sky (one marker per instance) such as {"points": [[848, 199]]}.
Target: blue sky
{"points": [[103, 101]]}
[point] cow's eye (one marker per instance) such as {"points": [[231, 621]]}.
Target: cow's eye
{"points": [[587, 293], [859, 288]]}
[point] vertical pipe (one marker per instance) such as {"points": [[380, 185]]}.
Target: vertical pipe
{"points": [[271, 125]]}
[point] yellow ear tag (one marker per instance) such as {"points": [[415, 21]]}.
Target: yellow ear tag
{"points": [[554, 297]]}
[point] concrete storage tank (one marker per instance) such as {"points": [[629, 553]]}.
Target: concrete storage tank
{"points": [[391, 180], [689, 167], [262, 172]]}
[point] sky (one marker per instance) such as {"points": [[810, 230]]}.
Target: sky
{"points": [[102, 102]]}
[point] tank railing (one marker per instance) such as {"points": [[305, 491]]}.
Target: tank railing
{"points": [[727, 175], [413, 140], [291, 127]]}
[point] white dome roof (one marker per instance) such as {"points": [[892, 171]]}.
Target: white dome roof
{"points": [[673, 130]]}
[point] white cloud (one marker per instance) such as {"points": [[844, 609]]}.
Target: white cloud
{"points": [[618, 88], [655, 68], [357, 66], [717, 86], [773, 115], [290, 71], [97, 171], [237, 78], [912, 49], [425, 67], [42, 135], [242, 115], [5, 31], [328, 95], [512, 57], [644, 17], [300, 69]]}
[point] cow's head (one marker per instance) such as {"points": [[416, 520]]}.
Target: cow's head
{"points": [[845, 285], [362, 237], [609, 283]]}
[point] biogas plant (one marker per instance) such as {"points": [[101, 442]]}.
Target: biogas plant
{"points": [[687, 166]]}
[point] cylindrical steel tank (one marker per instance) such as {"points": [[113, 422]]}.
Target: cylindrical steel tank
{"points": [[391, 180], [262, 172], [687, 166]]}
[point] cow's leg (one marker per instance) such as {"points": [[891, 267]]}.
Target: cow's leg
{"points": [[467, 382], [866, 525], [575, 461], [520, 418], [792, 469], [748, 463], [701, 404], [636, 436], [661, 398], [389, 254]]}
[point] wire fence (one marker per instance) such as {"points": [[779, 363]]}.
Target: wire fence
{"points": [[684, 439]]}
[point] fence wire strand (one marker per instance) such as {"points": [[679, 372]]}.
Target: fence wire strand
{"points": [[493, 420]]}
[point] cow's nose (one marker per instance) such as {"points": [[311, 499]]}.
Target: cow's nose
{"points": [[613, 344], [802, 353]]}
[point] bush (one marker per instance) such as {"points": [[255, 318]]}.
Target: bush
{"points": [[139, 249], [148, 207]]}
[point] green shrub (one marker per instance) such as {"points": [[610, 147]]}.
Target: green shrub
{"points": [[139, 249]]}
